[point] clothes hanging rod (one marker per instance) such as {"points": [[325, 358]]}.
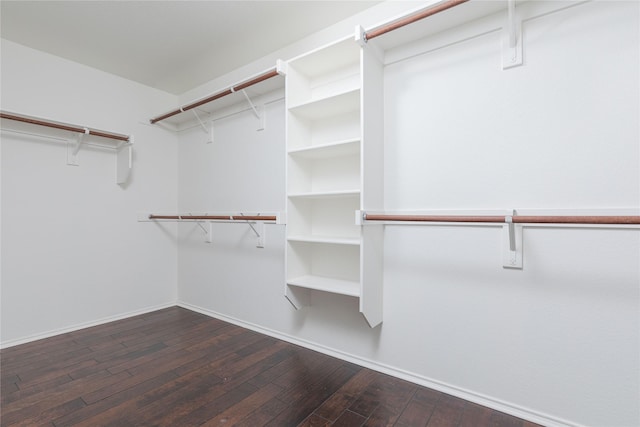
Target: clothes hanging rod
{"points": [[435, 9], [217, 217], [262, 77], [518, 219], [63, 126]]}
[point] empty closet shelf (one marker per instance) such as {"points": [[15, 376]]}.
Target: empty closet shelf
{"points": [[326, 194], [326, 284], [336, 240], [328, 106], [347, 147]]}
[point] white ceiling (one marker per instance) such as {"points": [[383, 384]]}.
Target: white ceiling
{"points": [[170, 45]]}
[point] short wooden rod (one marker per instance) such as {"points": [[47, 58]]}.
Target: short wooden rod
{"points": [[217, 217], [440, 7], [62, 126], [262, 77]]}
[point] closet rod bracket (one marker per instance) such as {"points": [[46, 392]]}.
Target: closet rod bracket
{"points": [[512, 38], [257, 111], [208, 131], [73, 148], [511, 243]]}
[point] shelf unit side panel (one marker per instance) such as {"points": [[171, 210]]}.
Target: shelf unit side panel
{"points": [[371, 274], [372, 104]]}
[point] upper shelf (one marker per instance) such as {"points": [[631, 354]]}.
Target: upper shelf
{"points": [[327, 60], [330, 106]]}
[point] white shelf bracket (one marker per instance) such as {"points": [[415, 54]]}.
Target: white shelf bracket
{"points": [[74, 148], [208, 131], [261, 234], [256, 111], [512, 38], [207, 233], [124, 161], [209, 237], [511, 244], [258, 230]]}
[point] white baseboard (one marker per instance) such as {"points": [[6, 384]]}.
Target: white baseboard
{"points": [[480, 399], [72, 328]]}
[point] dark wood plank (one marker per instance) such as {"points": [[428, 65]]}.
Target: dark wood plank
{"points": [[334, 406], [448, 412], [177, 367], [349, 419]]}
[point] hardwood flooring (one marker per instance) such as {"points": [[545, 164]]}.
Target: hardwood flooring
{"points": [[174, 367]]}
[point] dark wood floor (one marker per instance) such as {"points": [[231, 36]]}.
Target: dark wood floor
{"points": [[175, 367]]}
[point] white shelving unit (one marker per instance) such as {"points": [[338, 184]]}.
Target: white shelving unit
{"points": [[334, 170]]}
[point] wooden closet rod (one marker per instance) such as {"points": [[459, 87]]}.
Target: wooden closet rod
{"points": [[440, 7], [62, 126], [262, 77], [518, 219], [218, 217]]}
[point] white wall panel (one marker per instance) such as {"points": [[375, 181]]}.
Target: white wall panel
{"points": [[555, 342], [73, 251]]}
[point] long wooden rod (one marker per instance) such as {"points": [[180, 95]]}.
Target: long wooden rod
{"points": [[440, 7], [262, 77], [434, 218], [521, 219], [217, 217], [62, 126]]}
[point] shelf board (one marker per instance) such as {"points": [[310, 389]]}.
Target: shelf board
{"points": [[326, 284], [327, 150], [335, 240], [325, 194], [334, 105], [327, 59]]}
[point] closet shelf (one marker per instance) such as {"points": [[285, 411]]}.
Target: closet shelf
{"points": [[336, 240], [325, 61], [325, 194], [333, 105], [326, 284], [328, 150]]}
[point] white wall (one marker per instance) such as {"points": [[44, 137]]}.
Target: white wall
{"points": [[557, 342], [73, 252]]}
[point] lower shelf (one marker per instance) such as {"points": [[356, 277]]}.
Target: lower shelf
{"points": [[326, 284]]}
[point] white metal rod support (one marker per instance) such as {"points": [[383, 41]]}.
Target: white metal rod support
{"points": [[512, 38]]}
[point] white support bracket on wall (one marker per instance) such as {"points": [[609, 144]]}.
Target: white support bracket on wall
{"points": [[512, 38], [124, 161], [257, 111], [74, 148], [208, 131], [259, 231], [511, 244]]}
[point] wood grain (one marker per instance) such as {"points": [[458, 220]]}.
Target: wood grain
{"points": [[176, 367]]}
